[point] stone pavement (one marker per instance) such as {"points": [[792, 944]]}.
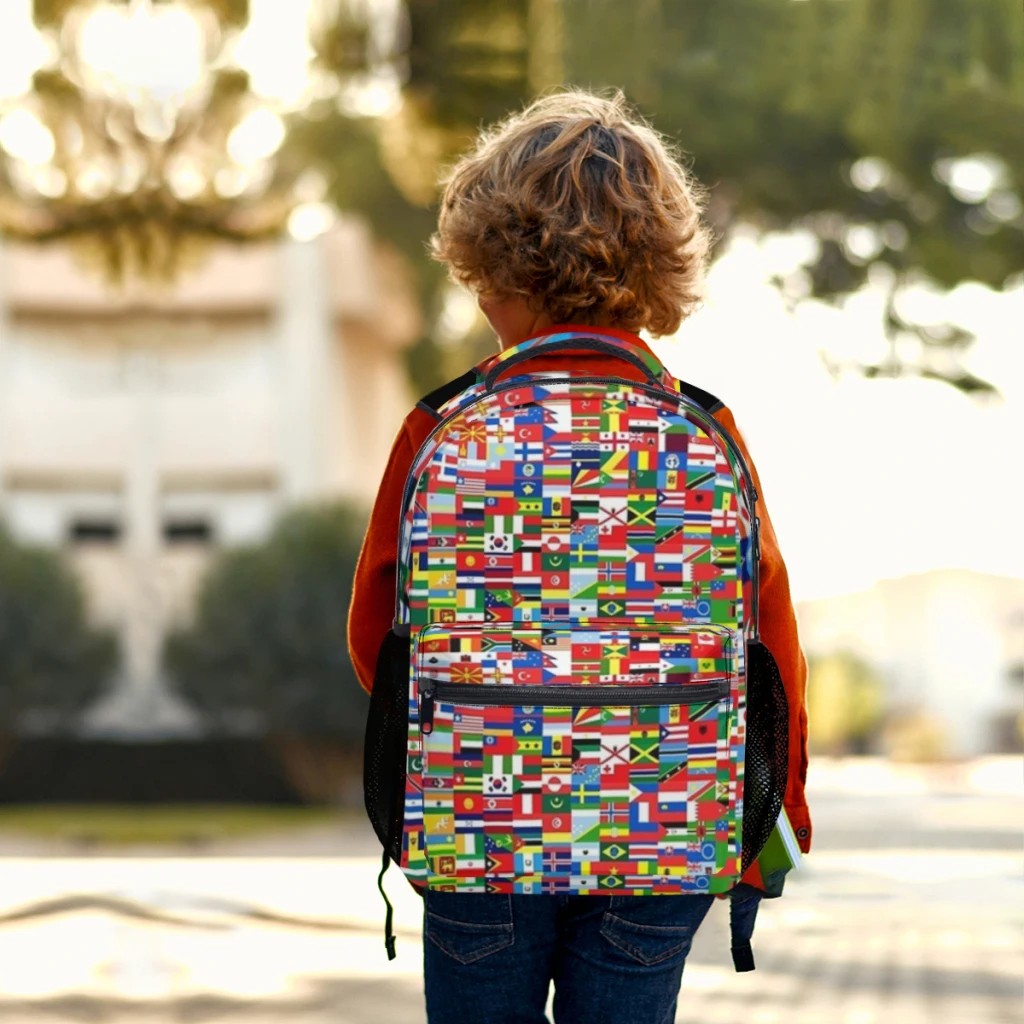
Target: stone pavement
{"points": [[907, 912]]}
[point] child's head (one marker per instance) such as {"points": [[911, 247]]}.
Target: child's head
{"points": [[578, 208]]}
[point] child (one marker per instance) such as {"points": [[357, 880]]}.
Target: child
{"points": [[573, 213]]}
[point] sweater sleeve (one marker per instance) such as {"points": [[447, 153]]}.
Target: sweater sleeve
{"points": [[372, 607], [778, 628]]}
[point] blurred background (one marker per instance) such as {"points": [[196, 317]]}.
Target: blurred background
{"points": [[215, 309]]}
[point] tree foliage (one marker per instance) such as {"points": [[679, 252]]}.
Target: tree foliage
{"points": [[53, 664], [269, 633], [777, 100], [891, 129], [845, 697]]}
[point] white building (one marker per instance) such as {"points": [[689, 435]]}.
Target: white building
{"points": [[140, 430], [948, 642]]}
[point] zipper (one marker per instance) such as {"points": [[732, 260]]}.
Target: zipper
{"points": [[610, 625], [432, 690], [706, 419]]}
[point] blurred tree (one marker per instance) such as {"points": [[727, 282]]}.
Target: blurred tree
{"points": [[267, 645], [468, 62], [844, 702], [915, 735], [890, 129], [52, 663]]}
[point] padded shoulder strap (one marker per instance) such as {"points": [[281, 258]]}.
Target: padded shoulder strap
{"points": [[704, 399], [432, 402]]}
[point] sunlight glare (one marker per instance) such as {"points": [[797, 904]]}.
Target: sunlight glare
{"points": [[274, 50], [256, 137], [23, 51], [310, 220], [231, 182], [186, 180], [863, 242], [972, 179], [765, 364], [50, 181], [376, 95], [158, 52], [458, 316], [870, 173], [25, 137]]}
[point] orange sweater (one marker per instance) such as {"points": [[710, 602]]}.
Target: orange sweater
{"points": [[373, 594]]}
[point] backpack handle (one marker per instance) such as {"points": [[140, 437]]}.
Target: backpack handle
{"points": [[619, 350]]}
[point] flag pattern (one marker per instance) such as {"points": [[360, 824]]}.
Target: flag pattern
{"points": [[565, 534]]}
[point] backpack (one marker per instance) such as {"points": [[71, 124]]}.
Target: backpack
{"points": [[573, 697]]}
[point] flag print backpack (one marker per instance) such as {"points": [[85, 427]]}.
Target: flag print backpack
{"points": [[573, 698]]}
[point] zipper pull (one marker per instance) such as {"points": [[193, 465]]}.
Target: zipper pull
{"points": [[426, 706]]}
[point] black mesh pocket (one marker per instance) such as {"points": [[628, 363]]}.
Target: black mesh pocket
{"points": [[767, 751], [384, 752]]}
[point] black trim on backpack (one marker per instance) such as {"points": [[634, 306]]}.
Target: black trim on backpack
{"points": [[384, 759], [385, 746], [432, 402], [765, 775], [766, 763], [704, 399], [744, 900]]}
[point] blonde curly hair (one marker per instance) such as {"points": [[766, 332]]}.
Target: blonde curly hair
{"points": [[579, 206]]}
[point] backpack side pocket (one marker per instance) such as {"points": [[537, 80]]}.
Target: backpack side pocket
{"points": [[766, 766], [385, 746]]}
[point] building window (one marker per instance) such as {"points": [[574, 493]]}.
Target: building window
{"points": [[94, 530], [188, 531]]}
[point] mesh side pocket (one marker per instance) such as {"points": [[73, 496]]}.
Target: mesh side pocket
{"points": [[767, 750], [384, 752]]}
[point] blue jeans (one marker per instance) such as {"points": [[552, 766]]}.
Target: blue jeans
{"points": [[488, 959]]}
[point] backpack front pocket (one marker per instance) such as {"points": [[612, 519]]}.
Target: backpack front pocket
{"points": [[570, 759]]}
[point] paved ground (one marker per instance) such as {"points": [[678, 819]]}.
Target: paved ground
{"points": [[908, 912]]}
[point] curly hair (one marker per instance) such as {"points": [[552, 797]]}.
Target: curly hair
{"points": [[579, 206]]}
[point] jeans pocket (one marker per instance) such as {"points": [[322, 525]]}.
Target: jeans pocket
{"points": [[468, 926], [647, 944], [653, 930]]}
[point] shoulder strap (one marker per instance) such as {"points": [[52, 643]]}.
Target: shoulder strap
{"points": [[592, 339], [704, 399], [432, 402], [742, 914]]}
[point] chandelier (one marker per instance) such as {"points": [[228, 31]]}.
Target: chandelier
{"points": [[142, 131]]}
